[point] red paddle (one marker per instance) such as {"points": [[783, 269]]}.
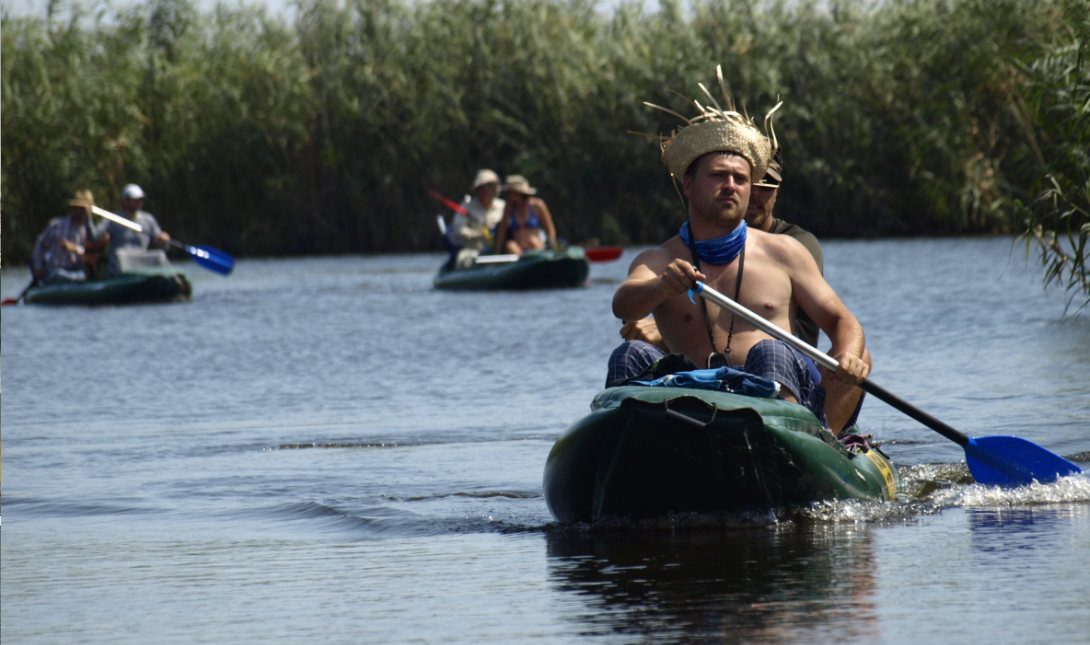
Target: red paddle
{"points": [[454, 206]]}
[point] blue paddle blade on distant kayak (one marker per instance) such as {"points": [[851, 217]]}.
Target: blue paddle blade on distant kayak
{"points": [[211, 258], [1012, 461]]}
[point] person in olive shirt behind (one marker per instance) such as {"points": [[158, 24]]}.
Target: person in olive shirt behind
{"points": [[841, 400]]}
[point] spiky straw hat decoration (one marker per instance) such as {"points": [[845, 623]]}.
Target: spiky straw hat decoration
{"points": [[715, 130]]}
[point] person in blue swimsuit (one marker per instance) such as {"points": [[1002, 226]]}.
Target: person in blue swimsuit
{"points": [[525, 219]]}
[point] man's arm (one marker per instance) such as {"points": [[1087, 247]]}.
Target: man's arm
{"points": [[814, 295], [645, 329], [465, 231], [151, 227], [652, 278]]}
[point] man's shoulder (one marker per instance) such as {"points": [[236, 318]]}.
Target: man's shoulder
{"points": [[780, 227], [778, 246], [804, 237], [145, 218]]}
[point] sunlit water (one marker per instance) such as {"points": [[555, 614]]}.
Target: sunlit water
{"points": [[327, 449]]}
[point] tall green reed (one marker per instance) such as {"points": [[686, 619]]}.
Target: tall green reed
{"points": [[1053, 107], [323, 135]]}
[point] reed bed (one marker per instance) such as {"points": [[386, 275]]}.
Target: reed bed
{"points": [[324, 135]]}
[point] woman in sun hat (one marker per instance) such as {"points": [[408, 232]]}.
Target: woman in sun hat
{"points": [[525, 219]]}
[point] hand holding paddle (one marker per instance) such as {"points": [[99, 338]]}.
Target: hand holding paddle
{"points": [[993, 461], [210, 258]]}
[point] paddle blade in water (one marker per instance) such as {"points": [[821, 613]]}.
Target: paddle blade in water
{"points": [[1012, 461], [604, 253], [211, 259]]}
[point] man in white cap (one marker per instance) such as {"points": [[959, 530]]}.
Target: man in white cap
{"points": [[123, 237], [716, 158], [475, 229]]}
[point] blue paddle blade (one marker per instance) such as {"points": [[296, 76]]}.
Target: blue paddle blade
{"points": [[1012, 461], [211, 258]]}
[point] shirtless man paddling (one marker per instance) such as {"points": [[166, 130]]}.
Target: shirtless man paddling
{"points": [[777, 273]]}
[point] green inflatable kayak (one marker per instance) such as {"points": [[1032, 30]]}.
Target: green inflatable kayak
{"points": [[545, 269], [649, 451], [149, 284]]}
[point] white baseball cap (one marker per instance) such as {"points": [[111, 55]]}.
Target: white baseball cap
{"points": [[132, 191]]}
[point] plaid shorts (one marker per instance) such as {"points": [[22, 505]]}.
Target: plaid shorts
{"points": [[631, 358], [772, 359], [777, 361]]}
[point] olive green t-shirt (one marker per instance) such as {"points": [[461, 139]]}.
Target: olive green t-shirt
{"points": [[805, 327]]}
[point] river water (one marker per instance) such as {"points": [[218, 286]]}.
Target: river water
{"points": [[328, 449]]}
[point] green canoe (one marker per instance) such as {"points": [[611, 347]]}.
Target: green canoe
{"points": [[649, 451], [149, 284], [546, 269]]}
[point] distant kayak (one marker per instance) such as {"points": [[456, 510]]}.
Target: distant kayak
{"points": [[151, 284], [604, 253], [544, 269], [650, 451]]}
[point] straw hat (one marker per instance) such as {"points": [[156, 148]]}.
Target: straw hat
{"points": [[718, 129], [518, 184], [485, 176], [83, 198]]}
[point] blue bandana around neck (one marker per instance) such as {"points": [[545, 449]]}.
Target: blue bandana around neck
{"points": [[719, 250]]}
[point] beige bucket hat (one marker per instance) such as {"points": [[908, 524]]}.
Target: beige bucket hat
{"points": [[518, 184], [485, 176], [83, 198], [718, 129]]}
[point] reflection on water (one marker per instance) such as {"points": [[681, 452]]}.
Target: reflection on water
{"points": [[756, 585], [1016, 531]]}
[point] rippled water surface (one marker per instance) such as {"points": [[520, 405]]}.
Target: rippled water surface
{"points": [[327, 449]]}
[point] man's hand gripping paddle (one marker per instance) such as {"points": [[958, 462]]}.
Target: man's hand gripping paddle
{"points": [[993, 461]]}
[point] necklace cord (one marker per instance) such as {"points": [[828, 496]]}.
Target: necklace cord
{"points": [[704, 305]]}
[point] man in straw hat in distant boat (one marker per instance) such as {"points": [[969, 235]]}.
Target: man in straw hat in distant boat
{"points": [[67, 244], [716, 158], [476, 228]]}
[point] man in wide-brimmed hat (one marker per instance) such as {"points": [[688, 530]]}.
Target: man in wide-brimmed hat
{"points": [[715, 159], [66, 244], [476, 228]]}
